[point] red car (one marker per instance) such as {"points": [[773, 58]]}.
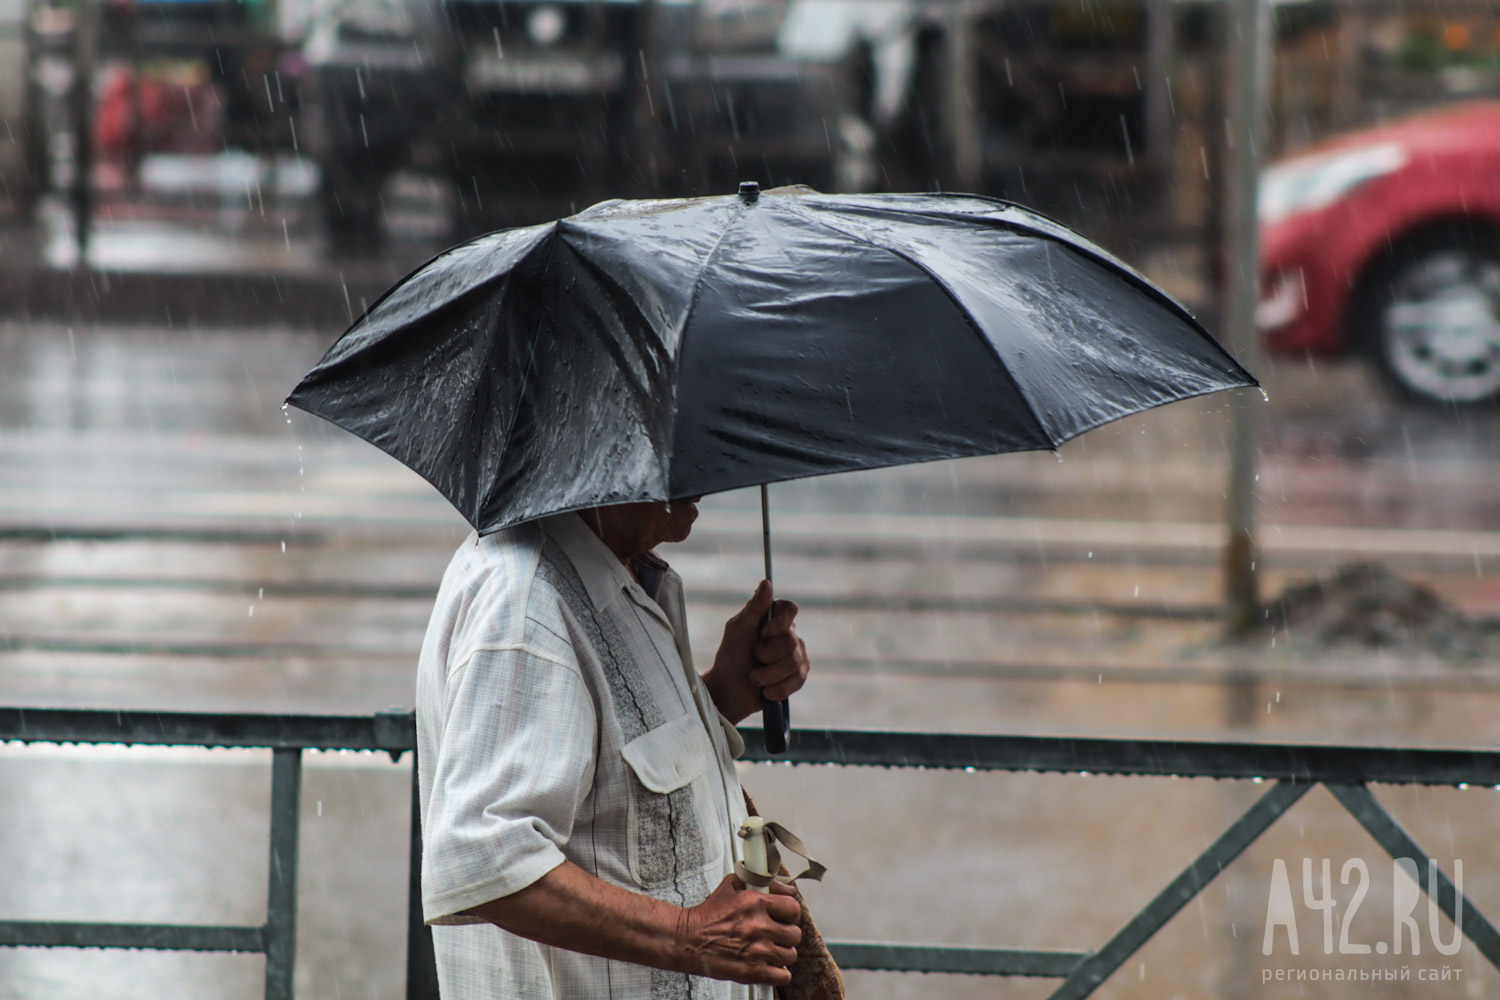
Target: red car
{"points": [[1386, 242]]}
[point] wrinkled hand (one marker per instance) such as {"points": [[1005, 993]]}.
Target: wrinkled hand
{"points": [[742, 935], [758, 657]]}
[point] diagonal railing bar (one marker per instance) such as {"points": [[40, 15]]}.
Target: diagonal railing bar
{"points": [[881, 957], [1389, 834], [173, 937], [1098, 967]]}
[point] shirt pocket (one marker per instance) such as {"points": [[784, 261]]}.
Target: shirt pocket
{"points": [[669, 766]]}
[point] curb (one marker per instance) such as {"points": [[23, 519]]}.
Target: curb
{"points": [[323, 301]]}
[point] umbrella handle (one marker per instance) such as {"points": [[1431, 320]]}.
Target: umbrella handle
{"points": [[775, 716], [776, 719]]}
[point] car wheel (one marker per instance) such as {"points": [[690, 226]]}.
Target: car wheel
{"points": [[1432, 318]]}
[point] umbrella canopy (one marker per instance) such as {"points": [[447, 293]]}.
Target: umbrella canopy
{"points": [[665, 349]]}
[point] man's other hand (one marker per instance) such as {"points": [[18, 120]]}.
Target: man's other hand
{"points": [[739, 934], [761, 654]]}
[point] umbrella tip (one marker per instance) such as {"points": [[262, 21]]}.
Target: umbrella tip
{"points": [[749, 192]]}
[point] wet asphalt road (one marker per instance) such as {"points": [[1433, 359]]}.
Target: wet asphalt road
{"points": [[168, 539]]}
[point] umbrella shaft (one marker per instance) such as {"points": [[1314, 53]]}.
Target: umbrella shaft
{"points": [[765, 529], [775, 715]]}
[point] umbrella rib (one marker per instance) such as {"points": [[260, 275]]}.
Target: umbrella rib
{"points": [[515, 415], [957, 304], [1058, 233], [687, 316]]}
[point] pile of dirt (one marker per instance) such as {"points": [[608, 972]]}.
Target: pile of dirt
{"points": [[1366, 605]]}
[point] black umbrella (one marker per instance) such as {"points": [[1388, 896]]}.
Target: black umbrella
{"points": [[658, 350]]}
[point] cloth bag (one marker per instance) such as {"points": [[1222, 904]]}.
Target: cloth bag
{"points": [[815, 975]]}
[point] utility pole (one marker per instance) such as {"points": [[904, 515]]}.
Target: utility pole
{"points": [[1159, 131], [85, 40], [1247, 39], [961, 110], [642, 141]]}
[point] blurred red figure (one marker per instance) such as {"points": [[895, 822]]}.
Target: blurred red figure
{"points": [[179, 115]]}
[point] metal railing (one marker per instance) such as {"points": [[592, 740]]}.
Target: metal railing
{"points": [[286, 736], [1292, 769]]}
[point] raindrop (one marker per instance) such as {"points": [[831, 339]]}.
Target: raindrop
{"points": [[283, 545], [251, 613]]}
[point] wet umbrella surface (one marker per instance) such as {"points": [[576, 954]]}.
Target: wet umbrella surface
{"points": [[666, 349]]}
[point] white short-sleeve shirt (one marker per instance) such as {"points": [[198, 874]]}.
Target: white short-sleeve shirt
{"points": [[559, 717]]}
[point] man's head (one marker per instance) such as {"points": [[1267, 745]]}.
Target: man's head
{"points": [[629, 529]]}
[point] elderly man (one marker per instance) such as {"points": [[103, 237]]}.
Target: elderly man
{"points": [[578, 788]]}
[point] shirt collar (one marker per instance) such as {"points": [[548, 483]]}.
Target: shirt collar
{"points": [[600, 570]]}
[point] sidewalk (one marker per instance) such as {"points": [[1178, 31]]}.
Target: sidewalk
{"points": [[233, 241], [210, 241]]}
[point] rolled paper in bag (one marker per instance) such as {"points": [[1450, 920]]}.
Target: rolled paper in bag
{"points": [[756, 860]]}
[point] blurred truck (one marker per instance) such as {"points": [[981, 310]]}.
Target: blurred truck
{"points": [[531, 109], [1059, 104]]}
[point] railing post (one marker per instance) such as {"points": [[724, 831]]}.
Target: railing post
{"points": [[281, 896], [421, 963]]}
